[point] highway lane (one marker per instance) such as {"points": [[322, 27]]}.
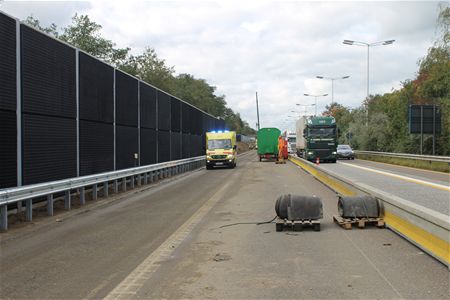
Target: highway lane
{"points": [[427, 188], [166, 242]]}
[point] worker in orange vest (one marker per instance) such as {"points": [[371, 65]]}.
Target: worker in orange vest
{"points": [[282, 148]]}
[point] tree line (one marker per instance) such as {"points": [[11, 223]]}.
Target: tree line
{"points": [[381, 122], [84, 34]]}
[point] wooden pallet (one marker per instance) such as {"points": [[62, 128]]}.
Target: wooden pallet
{"points": [[347, 223], [282, 224]]}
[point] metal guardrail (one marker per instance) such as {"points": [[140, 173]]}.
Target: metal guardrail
{"points": [[406, 155], [139, 175]]}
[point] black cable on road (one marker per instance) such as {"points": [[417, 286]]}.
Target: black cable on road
{"points": [[248, 223]]}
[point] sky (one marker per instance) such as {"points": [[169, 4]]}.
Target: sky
{"points": [[275, 48]]}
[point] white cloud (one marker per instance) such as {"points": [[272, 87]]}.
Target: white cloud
{"points": [[273, 47]]}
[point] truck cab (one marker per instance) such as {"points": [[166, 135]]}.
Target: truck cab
{"points": [[317, 138], [291, 142], [221, 149]]}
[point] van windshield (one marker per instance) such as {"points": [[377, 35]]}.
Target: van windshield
{"points": [[219, 144]]}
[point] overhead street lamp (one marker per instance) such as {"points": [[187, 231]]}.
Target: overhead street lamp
{"points": [[315, 100], [332, 83], [305, 105], [368, 45]]}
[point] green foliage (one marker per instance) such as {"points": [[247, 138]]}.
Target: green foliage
{"points": [[33, 22], [85, 34], [151, 69]]}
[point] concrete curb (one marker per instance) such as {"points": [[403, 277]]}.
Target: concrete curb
{"points": [[425, 228]]}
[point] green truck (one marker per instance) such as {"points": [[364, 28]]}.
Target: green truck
{"points": [[267, 142], [317, 138]]}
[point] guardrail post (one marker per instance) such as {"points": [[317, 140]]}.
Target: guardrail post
{"points": [[94, 192], [4, 217], [116, 187], [124, 184], [132, 181], [146, 178], [19, 206], [29, 210], [50, 205], [139, 180], [67, 200], [105, 189], [82, 196]]}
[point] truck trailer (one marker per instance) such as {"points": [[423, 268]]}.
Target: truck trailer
{"points": [[268, 143], [317, 138]]}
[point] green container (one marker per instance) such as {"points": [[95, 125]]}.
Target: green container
{"points": [[268, 141]]}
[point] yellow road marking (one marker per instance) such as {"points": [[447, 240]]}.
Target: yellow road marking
{"points": [[410, 179], [432, 243], [333, 184]]}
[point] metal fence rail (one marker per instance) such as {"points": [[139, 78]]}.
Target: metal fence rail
{"points": [[138, 175], [408, 156]]}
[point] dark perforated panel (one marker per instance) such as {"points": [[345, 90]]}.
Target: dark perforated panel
{"points": [[175, 146], [96, 90], [148, 146], [163, 146], [175, 114], [126, 147], [148, 106], [48, 75], [196, 145], [126, 100], [8, 149], [205, 122], [198, 122], [163, 111], [185, 118], [186, 145], [7, 63], [49, 148], [96, 147]]}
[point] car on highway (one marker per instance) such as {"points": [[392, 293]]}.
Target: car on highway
{"points": [[345, 151]]}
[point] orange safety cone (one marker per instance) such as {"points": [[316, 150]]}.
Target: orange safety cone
{"points": [[317, 161]]}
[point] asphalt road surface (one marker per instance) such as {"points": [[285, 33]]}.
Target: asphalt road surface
{"points": [[427, 188], [166, 241]]}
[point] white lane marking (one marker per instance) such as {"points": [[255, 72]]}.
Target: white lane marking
{"points": [[136, 279], [410, 179]]}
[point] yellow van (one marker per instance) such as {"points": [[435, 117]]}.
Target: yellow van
{"points": [[221, 149]]}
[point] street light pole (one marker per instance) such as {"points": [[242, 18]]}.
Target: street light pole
{"points": [[315, 100], [368, 45], [332, 83], [257, 110]]}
